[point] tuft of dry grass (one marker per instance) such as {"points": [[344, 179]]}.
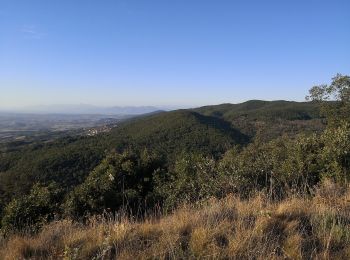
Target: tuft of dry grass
{"points": [[313, 227]]}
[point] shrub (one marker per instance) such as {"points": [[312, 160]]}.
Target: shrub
{"points": [[336, 152], [32, 211], [121, 180], [278, 166], [193, 178]]}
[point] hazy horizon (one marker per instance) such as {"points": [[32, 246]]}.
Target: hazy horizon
{"points": [[174, 54], [84, 108]]}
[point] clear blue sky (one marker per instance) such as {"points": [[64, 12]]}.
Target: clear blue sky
{"points": [[178, 52]]}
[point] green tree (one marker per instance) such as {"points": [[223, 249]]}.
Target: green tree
{"points": [[120, 180], [335, 99]]}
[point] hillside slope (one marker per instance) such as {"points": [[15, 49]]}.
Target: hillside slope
{"points": [[259, 109], [209, 130], [173, 132], [68, 161], [269, 119]]}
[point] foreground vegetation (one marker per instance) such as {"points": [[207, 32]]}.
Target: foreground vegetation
{"points": [[298, 227]]}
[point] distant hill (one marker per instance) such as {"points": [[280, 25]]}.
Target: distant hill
{"points": [[172, 132], [259, 109], [268, 118]]}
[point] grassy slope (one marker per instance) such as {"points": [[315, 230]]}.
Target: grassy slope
{"points": [[314, 227]]}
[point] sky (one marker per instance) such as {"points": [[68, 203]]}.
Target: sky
{"points": [[181, 53]]}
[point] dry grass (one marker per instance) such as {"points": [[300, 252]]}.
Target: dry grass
{"points": [[295, 228]]}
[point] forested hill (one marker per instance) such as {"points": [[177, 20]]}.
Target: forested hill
{"points": [[268, 118], [176, 131], [207, 130], [69, 160], [259, 109]]}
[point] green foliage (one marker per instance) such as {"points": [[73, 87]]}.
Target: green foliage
{"points": [[177, 131], [336, 152], [302, 168], [278, 166], [210, 131], [285, 164], [68, 161], [193, 178], [32, 211], [120, 180], [338, 92]]}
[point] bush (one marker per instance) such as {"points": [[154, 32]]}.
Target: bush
{"points": [[193, 178], [32, 211], [336, 152], [277, 167], [121, 180]]}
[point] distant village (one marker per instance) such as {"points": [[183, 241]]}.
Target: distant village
{"points": [[100, 129]]}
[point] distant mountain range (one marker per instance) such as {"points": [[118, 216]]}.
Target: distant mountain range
{"points": [[87, 109]]}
